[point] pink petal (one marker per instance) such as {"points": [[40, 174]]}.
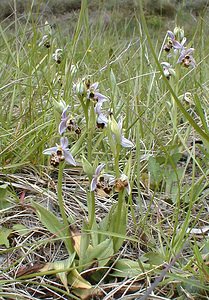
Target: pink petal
{"points": [[94, 85], [93, 184], [69, 158], [64, 142], [99, 169], [171, 35], [49, 151], [62, 126], [126, 143]]}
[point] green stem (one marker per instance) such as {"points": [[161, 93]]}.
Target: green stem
{"points": [[91, 209], [68, 241], [116, 161], [85, 109], [119, 219], [120, 194], [119, 209], [175, 86]]}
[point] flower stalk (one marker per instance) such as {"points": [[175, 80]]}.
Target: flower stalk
{"points": [[68, 241]]}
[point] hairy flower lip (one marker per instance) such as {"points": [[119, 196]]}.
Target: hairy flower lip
{"points": [[123, 183]]}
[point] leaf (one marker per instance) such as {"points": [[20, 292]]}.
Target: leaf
{"points": [[123, 222], [76, 243], [64, 264], [94, 234], [126, 268], [3, 190], [60, 265], [4, 202], [155, 170], [102, 252], [4, 234], [52, 223], [154, 258], [77, 281], [87, 294], [87, 167], [171, 178], [84, 243], [21, 229], [108, 225]]}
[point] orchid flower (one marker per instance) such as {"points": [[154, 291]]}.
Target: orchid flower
{"points": [[186, 58], [122, 183], [57, 55], [64, 119], [124, 141], [45, 41], [93, 93], [98, 170], [61, 152], [102, 120], [167, 70], [175, 44], [67, 123], [102, 183]]}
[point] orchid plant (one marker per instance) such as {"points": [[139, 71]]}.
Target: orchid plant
{"points": [[180, 56], [103, 184]]}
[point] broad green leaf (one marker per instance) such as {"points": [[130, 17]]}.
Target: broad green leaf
{"points": [[94, 234], [4, 202], [103, 226], [122, 230], [85, 294], [102, 252], [108, 225], [64, 264], [154, 258], [171, 178], [4, 234], [21, 229], [3, 190], [126, 268], [84, 243], [52, 223], [60, 265], [87, 167], [155, 170], [77, 281]]}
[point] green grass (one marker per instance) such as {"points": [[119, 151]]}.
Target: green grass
{"points": [[59, 239]]}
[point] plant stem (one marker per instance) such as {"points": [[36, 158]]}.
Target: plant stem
{"points": [[116, 161], [91, 209], [68, 241]]}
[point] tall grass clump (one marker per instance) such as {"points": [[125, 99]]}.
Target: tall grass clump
{"points": [[104, 157]]}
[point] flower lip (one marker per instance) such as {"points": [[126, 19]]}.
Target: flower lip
{"points": [[122, 183]]}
